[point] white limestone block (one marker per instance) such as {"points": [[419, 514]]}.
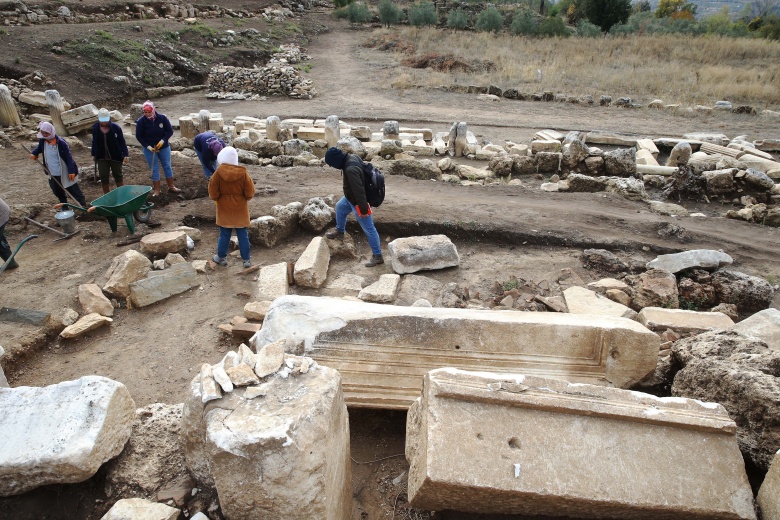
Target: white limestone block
{"points": [[412, 254]]}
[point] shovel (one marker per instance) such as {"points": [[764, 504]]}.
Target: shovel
{"points": [[11, 258]]}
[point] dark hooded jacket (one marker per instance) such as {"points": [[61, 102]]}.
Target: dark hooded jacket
{"points": [[352, 182]]}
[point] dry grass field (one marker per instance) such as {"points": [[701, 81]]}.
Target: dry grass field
{"points": [[676, 69]]}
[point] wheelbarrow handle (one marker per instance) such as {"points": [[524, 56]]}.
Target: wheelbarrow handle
{"points": [[68, 204], [11, 258]]}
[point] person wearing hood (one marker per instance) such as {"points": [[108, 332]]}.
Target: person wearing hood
{"points": [[57, 159], [153, 130], [207, 147], [109, 149], [353, 201], [231, 188]]}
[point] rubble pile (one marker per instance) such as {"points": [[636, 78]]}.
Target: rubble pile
{"points": [[252, 84]]}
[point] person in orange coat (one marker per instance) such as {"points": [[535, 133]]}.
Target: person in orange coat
{"points": [[231, 188]]}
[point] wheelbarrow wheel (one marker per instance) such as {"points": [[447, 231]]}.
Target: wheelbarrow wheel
{"points": [[143, 215]]}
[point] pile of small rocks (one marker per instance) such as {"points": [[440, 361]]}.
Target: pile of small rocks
{"points": [[242, 83]]}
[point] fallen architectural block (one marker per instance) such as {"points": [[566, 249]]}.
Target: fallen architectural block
{"points": [[140, 509], [80, 118], [275, 450], [61, 433], [383, 351], [383, 290], [768, 498], [160, 285], [157, 245], [412, 254], [272, 282], [515, 444], [693, 259], [584, 301], [311, 269], [659, 319], [764, 325], [125, 269]]}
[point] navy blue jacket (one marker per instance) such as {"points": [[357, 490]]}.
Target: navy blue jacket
{"points": [[201, 144], [65, 155], [149, 132], [117, 148]]}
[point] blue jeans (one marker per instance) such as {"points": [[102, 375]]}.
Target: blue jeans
{"points": [[224, 240], [163, 158], [343, 209], [208, 168]]}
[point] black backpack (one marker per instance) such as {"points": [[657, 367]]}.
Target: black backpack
{"points": [[374, 182]]}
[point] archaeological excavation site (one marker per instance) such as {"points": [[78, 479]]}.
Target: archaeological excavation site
{"points": [[575, 312]]}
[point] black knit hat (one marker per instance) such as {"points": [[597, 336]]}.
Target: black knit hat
{"points": [[335, 158]]}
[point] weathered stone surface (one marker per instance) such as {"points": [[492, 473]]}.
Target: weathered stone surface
{"points": [[85, 324], [316, 215], [256, 310], [748, 293], [515, 444], [61, 433], [603, 260], [140, 509], [629, 188], [620, 162], [3, 379], [92, 300], [157, 245], [720, 182], [193, 233], [548, 162], [584, 301], [272, 282], [680, 154], [153, 457], [764, 325], [412, 254], [159, 285], [759, 179], [173, 259], [605, 284], [693, 259], [383, 290], [311, 269], [345, 285], [658, 319], [269, 358], [576, 182], [768, 498], [415, 287], [285, 455], [743, 375], [654, 288], [124, 270], [383, 351], [269, 230]]}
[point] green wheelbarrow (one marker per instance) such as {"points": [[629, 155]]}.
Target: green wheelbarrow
{"points": [[122, 202]]}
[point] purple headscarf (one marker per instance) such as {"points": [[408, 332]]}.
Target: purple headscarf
{"points": [[47, 127]]}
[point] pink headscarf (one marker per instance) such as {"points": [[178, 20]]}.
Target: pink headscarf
{"points": [[149, 104], [45, 126]]}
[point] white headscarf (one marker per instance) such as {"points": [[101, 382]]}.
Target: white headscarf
{"points": [[228, 155]]}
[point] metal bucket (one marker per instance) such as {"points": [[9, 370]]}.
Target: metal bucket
{"points": [[67, 221]]}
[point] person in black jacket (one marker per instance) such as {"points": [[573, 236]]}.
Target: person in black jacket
{"points": [[109, 149], [354, 200]]}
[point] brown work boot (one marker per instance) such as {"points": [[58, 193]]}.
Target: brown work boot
{"points": [[171, 187], [375, 260]]}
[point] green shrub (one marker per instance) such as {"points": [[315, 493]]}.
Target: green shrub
{"points": [[524, 22], [771, 27], [422, 13], [342, 3], [588, 30], [389, 13], [552, 26], [357, 12], [489, 20], [457, 19]]}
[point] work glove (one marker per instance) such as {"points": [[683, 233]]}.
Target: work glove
{"points": [[72, 177], [126, 160], [151, 148], [34, 157], [363, 211], [159, 145]]}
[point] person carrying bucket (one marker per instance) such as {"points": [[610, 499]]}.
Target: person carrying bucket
{"points": [[153, 130], [109, 149], [58, 164]]}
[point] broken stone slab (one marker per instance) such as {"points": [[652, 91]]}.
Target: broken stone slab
{"points": [[605, 284], [125, 269], [92, 300], [383, 351], [415, 287], [160, 285], [668, 209], [245, 330], [764, 325], [256, 310], [311, 268], [694, 259], [61, 433], [30, 316], [610, 138], [412, 254], [768, 498], [383, 290], [158, 245], [345, 285], [285, 455], [80, 118], [85, 324], [584, 301], [659, 319], [517, 444], [140, 509], [272, 282]]}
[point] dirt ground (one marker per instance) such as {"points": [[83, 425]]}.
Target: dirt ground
{"points": [[500, 231]]}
